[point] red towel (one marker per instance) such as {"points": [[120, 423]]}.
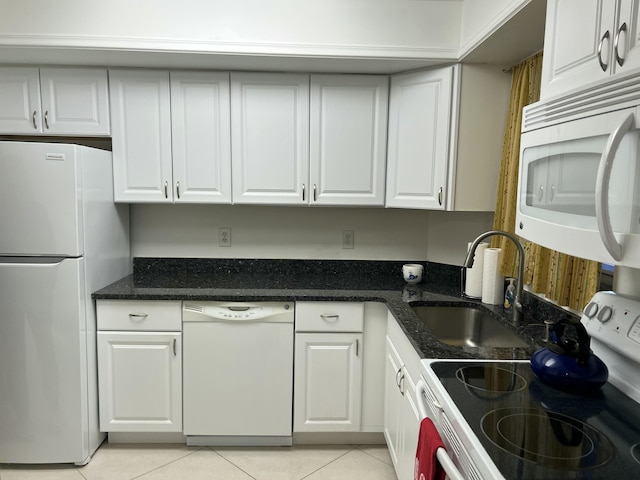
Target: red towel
{"points": [[427, 466]]}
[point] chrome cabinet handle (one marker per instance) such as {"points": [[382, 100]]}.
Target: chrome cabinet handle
{"points": [[138, 316], [33, 120], [175, 347], [603, 65], [553, 193], [46, 119], [315, 194], [619, 59], [325, 316], [303, 191], [397, 377], [440, 196], [357, 347], [540, 193], [178, 189], [166, 193], [401, 386]]}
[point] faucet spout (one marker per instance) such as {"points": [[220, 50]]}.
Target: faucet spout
{"points": [[468, 263]]}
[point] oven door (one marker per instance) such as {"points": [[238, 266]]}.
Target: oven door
{"points": [[578, 187], [466, 458]]}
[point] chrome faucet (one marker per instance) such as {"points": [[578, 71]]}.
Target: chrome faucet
{"points": [[468, 263]]}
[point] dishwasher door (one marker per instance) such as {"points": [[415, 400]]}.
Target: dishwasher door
{"points": [[238, 373]]}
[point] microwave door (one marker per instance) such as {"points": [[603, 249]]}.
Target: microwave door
{"points": [[562, 185]]}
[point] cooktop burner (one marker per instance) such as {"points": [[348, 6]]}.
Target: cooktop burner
{"points": [[533, 431], [490, 380], [547, 438]]}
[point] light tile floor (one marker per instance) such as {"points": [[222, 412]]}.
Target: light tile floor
{"points": [[175, 462]]}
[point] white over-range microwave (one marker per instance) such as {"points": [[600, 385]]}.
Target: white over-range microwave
{"points": [[579, 186]]}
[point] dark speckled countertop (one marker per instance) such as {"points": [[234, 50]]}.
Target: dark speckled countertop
{"points": [[255, 280]]}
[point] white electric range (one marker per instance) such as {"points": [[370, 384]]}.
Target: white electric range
{"points": [[499, 421]]}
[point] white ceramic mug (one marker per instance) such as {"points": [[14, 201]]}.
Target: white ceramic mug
{"points": [[412, 272]]}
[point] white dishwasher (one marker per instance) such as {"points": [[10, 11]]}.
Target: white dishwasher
{"points": [[237, 373]]}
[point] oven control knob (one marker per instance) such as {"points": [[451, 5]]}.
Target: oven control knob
{"points": [[605, 314], [591, 309]]}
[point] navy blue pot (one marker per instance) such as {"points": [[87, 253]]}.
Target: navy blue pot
{"points": [[567, 364]]}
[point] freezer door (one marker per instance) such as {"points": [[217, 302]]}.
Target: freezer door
{"points": [[43, 359], [40, 199]]}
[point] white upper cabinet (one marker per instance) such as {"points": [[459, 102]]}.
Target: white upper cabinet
{"points": [[170, 136], [588, 40], [54, 101], [419, 135], [446, 128], [270, 138], [348, 139], [141, 122], [201, 137]]}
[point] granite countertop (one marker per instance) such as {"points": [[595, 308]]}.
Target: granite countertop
{"points": [[331, 280]]}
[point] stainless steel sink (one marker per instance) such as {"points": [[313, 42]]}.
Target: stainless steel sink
{"points": [[466, 326]]}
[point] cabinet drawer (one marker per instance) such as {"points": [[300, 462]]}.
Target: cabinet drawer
{"points": [[329, 316], [139, 315]]}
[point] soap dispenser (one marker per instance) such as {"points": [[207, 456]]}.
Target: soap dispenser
{"points": [[510, 294]]}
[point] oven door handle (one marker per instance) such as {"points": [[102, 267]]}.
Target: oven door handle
{"points": [[441, 454]]}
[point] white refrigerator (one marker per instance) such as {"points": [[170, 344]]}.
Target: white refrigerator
{"points": [[61, 238]]}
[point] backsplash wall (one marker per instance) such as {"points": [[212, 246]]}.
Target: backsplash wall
{"points": [[303, 232]]}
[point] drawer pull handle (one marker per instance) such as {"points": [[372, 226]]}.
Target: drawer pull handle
{"points": [[33, 120], [137, 317], [357, 347], [329, 317], [46, 119], [175, 351]]}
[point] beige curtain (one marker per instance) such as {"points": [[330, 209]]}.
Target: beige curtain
{"points": [[568, 280]]}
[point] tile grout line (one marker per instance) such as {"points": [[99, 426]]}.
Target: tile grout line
{"points": [[329, 463], [359, 447], [166, 464], [231, 463]]}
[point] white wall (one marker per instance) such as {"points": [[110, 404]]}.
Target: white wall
{"points": [[480, 18], [304, 232], [428, 28]]}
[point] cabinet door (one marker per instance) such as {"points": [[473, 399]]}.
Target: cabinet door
{"points": [[19, 100], [270, 138], [419, 136], [75, 101], [392, 402], [628, 49], [140, 381], [410, 427], [201, 137], [328, 382], [141, 139], [579, 36], [348, 139]]}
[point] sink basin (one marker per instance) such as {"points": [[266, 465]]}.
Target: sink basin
{"points": [[466, 327]]}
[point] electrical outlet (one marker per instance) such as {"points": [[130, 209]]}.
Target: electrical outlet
{"points": [[348, 240], [224, 237]]}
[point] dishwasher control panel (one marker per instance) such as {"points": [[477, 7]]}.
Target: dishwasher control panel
{"points": [[238, 311]]}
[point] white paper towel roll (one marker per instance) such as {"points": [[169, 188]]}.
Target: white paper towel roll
{"points": [[473, 284], [492, 281]]}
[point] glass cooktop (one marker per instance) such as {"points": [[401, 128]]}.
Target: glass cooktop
{"points": [[534, 431]]}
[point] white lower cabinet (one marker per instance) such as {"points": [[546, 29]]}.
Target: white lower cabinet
{"points": [[139, 371], [328, 379], [401, 417], [328, 367]]}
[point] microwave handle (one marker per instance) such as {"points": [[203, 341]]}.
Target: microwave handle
{"points": [[602, 188]]}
